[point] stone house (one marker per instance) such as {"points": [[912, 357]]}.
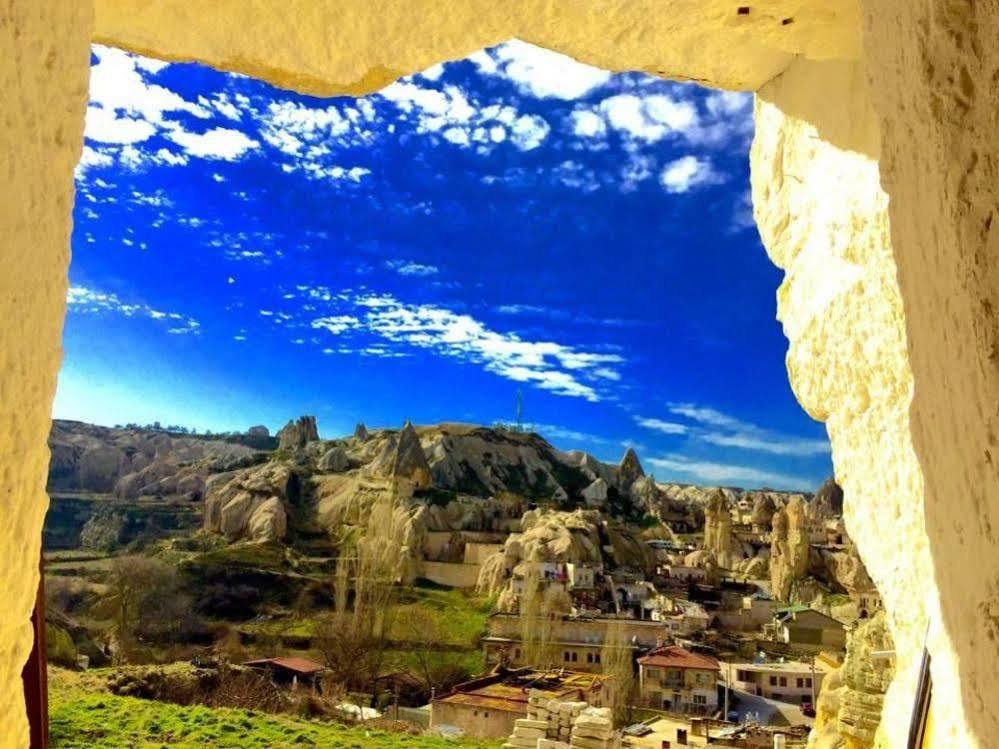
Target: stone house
{"points": [[798, 682], [805, 629], [676, 680]]}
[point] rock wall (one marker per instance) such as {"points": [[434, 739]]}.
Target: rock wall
{"points": [[849, 708], [44, 69]]}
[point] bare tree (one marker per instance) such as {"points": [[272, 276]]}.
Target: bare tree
{"points": [[354, 638], [618, 663], [145, 599]]}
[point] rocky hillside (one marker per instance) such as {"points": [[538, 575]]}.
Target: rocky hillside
{"points": [[134, 462]]}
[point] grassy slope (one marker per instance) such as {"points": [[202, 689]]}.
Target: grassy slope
{"points": [[80, 718]]}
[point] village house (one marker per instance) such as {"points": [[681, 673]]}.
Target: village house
{"points": [[291, 671], [487, 707], [677, 680], [797, 682], [805, 629], [578, 641]]}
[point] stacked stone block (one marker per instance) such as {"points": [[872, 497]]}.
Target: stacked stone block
{"points": [[553, 724]]}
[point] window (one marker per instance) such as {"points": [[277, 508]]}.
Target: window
{"points": [[773, 681], [801, 683], [700, 699], [565, 656], [808, 681], [516, 654], [575, 656], [742, 675], [783, 681], [596, 657], [589, 657]]}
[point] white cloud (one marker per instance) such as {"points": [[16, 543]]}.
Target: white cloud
{"points": [[103, 126], [648, 118], [337, 324], [540, 72], [703, 471], [689, 171], [558, 368], [409, 268], [117, 85], [460, 121], [588, 124], [217, 143], [91, 157], [659, 425], [86, 300]]}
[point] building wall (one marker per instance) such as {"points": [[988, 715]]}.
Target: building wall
{"points": [[453, 574], [760, 683], [481, 722], [658, 684], [645, 633]]}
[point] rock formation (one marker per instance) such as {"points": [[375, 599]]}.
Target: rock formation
{"points": [[718, 526], [595, 495], [334, 460], [251, 505], [764, 508], [258, 431], [297, 434], [828, 502], [849, 707], [403, 458], [629, 471], [789, 549], [360, 432]]}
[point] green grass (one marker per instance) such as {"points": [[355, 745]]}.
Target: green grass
{"points": [[459, 616], [80, 718]]}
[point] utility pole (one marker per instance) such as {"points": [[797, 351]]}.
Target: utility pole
{"points": [[813, 681], [728, 681]]}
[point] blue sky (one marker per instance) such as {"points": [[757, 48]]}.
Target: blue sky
{"points": [[511, 221]]}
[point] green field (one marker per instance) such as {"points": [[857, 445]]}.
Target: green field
{"points": [[80, 717]]}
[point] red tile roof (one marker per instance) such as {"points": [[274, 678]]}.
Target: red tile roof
{"points": [[299, 665], [677, 657]]}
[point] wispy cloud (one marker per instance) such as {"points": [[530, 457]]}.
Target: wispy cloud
{"points": [[555, 432], [703, 471], [659, 425], [410, 268], [86, 300], [724, 430], [559, 368]]}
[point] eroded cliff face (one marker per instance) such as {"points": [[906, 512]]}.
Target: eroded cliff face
{"points": [[850, 706], [789, 550]]}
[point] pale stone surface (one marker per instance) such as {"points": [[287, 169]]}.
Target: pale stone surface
{"points": [[818, 199], [353, 47], [43, 77]]}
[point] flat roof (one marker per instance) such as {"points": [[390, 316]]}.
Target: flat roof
{"points": [[510, 691], [797, 667]]}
